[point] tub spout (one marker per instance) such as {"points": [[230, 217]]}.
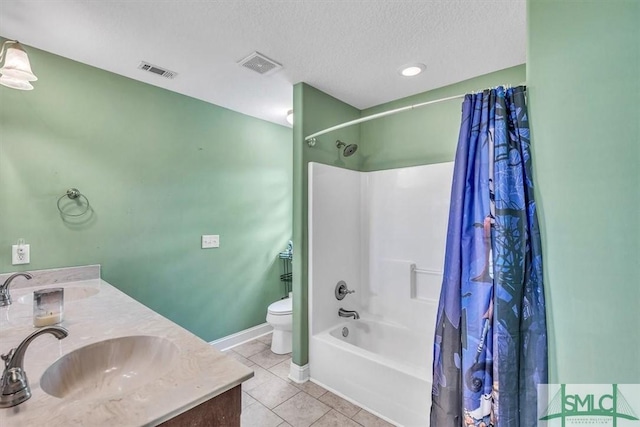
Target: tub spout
{"points": [[348, 313]]}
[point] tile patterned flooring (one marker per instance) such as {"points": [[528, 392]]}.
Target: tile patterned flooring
{"points": [[271, 399]]}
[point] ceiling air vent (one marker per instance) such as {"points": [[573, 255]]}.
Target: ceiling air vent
{"points": [[260, 64], [157, 70]]}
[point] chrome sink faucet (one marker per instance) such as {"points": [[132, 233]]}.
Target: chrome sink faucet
{"points": [[348, 313], [14, 386], [5, 296]]}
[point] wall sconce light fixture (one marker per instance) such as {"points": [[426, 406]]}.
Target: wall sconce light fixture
{"points": [[16, 70]]}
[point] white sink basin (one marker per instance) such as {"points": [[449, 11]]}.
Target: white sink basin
{"points": [[109, 367], [71, 293]]}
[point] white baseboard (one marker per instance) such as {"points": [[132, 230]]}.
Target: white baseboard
{"points": [[242, 337], [299, 374]]}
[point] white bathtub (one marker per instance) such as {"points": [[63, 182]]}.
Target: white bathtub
{"points": [[383, 367]]}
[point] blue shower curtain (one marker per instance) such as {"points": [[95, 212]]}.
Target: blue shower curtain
{"points": [[490, 349]]}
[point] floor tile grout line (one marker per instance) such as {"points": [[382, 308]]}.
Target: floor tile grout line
{"points": [[334, 409], [302, 391], [299, 391], [354, 415], [316, 398], [254, 389], [252, 354], [265, 407], [351, 418], [338, 410], [226, 352]]}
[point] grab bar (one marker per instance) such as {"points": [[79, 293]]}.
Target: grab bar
{"points": [[415, 269]]}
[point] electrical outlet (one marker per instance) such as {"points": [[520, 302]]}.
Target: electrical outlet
{"points": [[20, 254], [210, 241]]}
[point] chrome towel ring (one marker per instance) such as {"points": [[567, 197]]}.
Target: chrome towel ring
{"points": [[73, 193]]}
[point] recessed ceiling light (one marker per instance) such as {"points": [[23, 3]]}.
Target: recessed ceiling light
{"points": [[290, 117], [411, 70]]}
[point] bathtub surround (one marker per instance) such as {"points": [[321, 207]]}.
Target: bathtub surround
{"points": [[383, 234], [161, 169], [394, 141]]}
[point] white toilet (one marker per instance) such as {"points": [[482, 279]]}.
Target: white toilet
{"points": [[280, 316]]}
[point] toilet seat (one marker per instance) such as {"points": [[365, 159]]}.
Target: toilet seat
{"points": [[283, 307]]}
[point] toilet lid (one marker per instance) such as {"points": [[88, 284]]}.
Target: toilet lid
{"points": [[282, 307]]}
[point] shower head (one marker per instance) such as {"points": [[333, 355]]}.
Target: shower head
{"points": [[348, 149]]}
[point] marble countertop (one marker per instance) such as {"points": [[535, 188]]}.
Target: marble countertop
{"points": [[199, 373]]}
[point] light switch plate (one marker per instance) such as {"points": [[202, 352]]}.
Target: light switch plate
{"points": [[210, 241], [20, 254]]}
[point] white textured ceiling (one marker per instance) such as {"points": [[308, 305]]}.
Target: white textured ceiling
{"points": [[347, 48]]}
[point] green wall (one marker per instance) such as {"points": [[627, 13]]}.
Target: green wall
{"points": [[583, 70], [160, 170]]}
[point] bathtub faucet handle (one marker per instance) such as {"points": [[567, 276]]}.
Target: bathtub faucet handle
{"points": [[342, 290]]}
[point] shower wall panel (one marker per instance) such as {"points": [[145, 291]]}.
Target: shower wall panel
{"points": [[371, 229], [334, 242], [406, 224]]}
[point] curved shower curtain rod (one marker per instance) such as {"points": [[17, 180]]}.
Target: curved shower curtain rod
{"points": [[311, 139]]}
